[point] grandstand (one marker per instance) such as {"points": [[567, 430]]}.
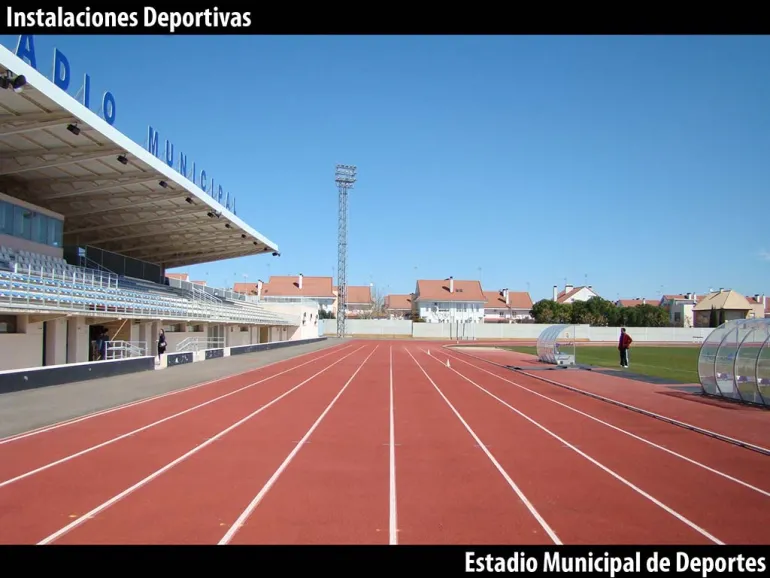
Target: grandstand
{"points": [[89, 223]]}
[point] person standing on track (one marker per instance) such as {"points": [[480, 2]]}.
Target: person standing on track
{"points": [[161, 343], [623, 345]]}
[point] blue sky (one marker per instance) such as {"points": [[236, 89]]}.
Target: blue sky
{"points": [[639, 164]]}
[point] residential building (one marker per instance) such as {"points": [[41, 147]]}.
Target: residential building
{"points": [[571, 294], [292, 289], [729, 305], [680, 308], [359, 301], [506, 306], [760, 306], [636, 302], [398, 306], [449, 300]]}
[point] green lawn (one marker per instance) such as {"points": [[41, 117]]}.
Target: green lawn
{"points": [[674, 363]]}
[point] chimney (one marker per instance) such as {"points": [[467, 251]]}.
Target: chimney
{"points": [[644, 301], [555, 292], [299, 281], [764, 302], [693, 296], [451, 285], [506, 297], [259, 289], [721, 289], [568, 288]]}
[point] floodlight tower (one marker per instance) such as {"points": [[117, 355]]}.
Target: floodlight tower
{"points": [[345, 177]]}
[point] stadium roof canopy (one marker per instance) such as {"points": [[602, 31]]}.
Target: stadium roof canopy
{"points": [[137, 206]]}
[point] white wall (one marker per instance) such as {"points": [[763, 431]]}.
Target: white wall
{"points": [[450, 311], [308, 315], [520, 331], [369, 327]]}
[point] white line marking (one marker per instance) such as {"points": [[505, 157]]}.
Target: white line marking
{"points": [[148, 426], [616, 428], [74, 420], [266, 488], [663, 418], [601, 466], [101, 507], [393, 510], [500, 468]]}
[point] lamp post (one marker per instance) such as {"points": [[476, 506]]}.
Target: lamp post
{"points": [[344, 177]]}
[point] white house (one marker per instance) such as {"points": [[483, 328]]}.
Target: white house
{"points": [[571, 294], [449, 301], [506, 306], [680, 308]]}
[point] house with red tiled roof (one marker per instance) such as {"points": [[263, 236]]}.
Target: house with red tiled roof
{"points": [[571, 294], [760, 306], [178, 276], [449, 300], [506, 306], [292, 289], [358, 303], [636, 302], [398, 306]]}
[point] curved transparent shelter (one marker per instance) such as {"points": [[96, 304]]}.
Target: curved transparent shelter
{"points": [[556, 344], [734, 361]]}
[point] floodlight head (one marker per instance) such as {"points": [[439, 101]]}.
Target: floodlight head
{"points": [[345, 175]]}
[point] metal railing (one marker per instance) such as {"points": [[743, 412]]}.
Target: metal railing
{"points": [[98, 294], [125, 349], [71, 274], [199, 344]]}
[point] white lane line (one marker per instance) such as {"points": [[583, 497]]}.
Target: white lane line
{"points": [[621, 430], [151, 425], [103, 506], [266, 488], [482, 447], [393, 510], [72, 421], [601, 466]]}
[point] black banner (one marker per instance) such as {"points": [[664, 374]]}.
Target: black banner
{"points": [[607, 562], [229, 17]]}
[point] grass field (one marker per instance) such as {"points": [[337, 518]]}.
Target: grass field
{"points": [[674, 363]]}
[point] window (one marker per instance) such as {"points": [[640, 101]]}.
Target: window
{"points": [[55, 232], [39, 228], [6, 218], [25, 223]]}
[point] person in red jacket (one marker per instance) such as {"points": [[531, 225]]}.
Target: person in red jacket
{"points": [[623, 345]]}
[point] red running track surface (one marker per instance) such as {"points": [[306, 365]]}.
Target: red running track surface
{"points": [[745, 423], [379, 443]]}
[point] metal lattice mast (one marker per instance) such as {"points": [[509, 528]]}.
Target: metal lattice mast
{"points": [[344, 176]]}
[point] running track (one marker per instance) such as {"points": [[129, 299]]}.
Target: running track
{"points": [[378, 443]]}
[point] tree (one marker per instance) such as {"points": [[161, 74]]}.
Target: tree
{"points": [[721, 317], [599, 312], [714, 318]]}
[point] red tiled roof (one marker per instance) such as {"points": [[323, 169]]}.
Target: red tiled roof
{"points": [[357, 294], [516, 300], [288, 286], [637, 302], [398, 302], [438, 290]]}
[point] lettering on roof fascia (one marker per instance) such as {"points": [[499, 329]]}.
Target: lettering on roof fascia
{"points": [[61, 76], [197, 177]]}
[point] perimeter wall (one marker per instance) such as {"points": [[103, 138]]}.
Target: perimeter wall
{"points": [[390, 328]]}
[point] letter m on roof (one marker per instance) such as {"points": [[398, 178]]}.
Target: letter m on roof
{"points": [[152, 140]]}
